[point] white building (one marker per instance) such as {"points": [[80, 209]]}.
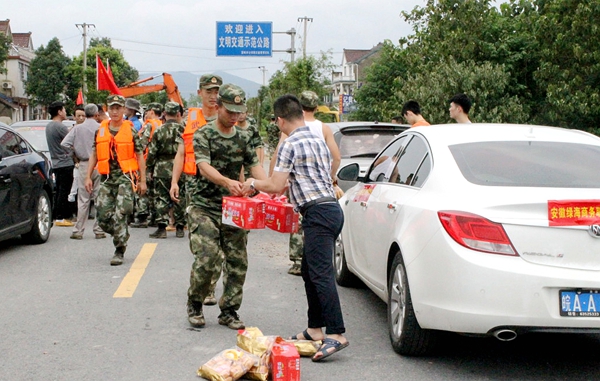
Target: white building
{"points": [[14, 104]]}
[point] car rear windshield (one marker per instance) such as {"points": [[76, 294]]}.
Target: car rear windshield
{"points": [[364, 143], [529, 164]]}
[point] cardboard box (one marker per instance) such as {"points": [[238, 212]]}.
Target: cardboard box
{"points": [[280, 216], [243, 212], [285, 362]]}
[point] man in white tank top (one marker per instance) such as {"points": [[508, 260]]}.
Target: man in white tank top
{"points": [[310, 101]]}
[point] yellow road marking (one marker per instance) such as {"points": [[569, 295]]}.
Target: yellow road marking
{"points": [[133, 277]]}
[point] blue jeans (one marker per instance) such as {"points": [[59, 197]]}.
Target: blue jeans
{"points": [[322, 223]]}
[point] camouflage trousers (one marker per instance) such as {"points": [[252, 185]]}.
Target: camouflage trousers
{"points": [[297, 244], [114, 205], [144, 204], [216, 247], [163, 202]]}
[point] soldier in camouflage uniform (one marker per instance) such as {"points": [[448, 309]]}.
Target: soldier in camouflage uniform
{"points": [[144, 205], [115, 198], [221, 150], [161, 152], [272, 135]]}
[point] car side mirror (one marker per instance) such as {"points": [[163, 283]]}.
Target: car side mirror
{"points": [[349, 172]]}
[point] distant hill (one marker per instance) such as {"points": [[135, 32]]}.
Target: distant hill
{"points": [[188, 82]]}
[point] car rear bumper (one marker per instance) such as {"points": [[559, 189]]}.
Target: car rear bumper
{"points": [[460, 290]]}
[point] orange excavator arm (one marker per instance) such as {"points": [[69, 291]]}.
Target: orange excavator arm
{"points": [[168, 85]]}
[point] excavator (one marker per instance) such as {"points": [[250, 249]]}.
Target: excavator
{"points": [[168, 85]]}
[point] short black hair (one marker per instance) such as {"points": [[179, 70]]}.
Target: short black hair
{"points": [[463, 101], [55, 107], [288, 107], [397, 117], [411, 106]]}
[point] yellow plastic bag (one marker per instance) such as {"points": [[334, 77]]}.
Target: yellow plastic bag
{"points": [[252, 340], [228, 365]]}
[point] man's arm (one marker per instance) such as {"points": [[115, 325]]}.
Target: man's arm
{"points": [[209, 172], [89, 185], [333, 149], [274, 184], [177, 170], [141, 186]]}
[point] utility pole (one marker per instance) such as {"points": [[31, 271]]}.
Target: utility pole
{"points": [[84, 27], [264, 70], [306, 20], [292, 49]]}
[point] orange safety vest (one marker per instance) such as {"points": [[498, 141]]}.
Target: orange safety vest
{"points": [[122, 143], [195, 120], [154, 124]]}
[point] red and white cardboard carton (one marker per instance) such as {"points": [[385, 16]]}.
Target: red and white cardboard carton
{"points": [[243, 212], [285, 362], [280, 216]]}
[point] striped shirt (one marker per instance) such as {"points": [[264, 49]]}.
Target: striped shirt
{"points": [[306, 158]]}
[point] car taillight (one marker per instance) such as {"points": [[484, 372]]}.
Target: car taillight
{"points": [[477, 233]]}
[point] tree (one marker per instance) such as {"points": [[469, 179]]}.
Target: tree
{"points": [[4, 48], [486, 84], [469, 36], [123, 73], [48, 79], [310, 73], [377, 98], [569, 72]]}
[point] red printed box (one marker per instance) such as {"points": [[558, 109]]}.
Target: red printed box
{"points": [[280, 216], [244, 212], [285, 362]]}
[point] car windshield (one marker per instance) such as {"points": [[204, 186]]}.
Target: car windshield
{"points": [[35, 135], [364, 143], [529, 164]]}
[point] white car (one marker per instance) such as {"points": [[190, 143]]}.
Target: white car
{"points": [[479, 229]]}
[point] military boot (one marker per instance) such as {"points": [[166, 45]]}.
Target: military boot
{"points": [[161, 232], [179, 233], [231, 319], [117, 259], [195, 315], [140, 222], [210, 299]]}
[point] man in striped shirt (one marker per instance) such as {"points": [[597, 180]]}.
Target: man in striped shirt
{"points": [[304, 159]]}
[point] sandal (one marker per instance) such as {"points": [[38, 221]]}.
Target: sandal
{"points": [[327, 345], [305, 334]]}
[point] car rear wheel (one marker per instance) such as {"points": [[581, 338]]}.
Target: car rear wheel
{"points": [[343, 276], [406, 336], [40, 231]]}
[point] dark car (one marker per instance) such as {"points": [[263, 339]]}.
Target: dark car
{"points": [[25, 189], [360, 142], [35, 133]]}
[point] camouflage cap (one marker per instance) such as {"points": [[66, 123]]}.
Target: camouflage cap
{"points": [[233, 98], [155, 106], [172, 108], [133, 104], [115, 99], [309, 99], [209, 81]]}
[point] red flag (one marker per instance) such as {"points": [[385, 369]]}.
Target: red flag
{"points": [[80, 98], [104, 81]]}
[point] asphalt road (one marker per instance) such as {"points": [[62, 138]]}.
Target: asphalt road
{"points": [[60, 320]]}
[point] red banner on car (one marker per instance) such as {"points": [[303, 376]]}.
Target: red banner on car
{"points": [[573, 212]]}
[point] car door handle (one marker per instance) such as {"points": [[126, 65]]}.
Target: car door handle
{"points": [[363, 204]]}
